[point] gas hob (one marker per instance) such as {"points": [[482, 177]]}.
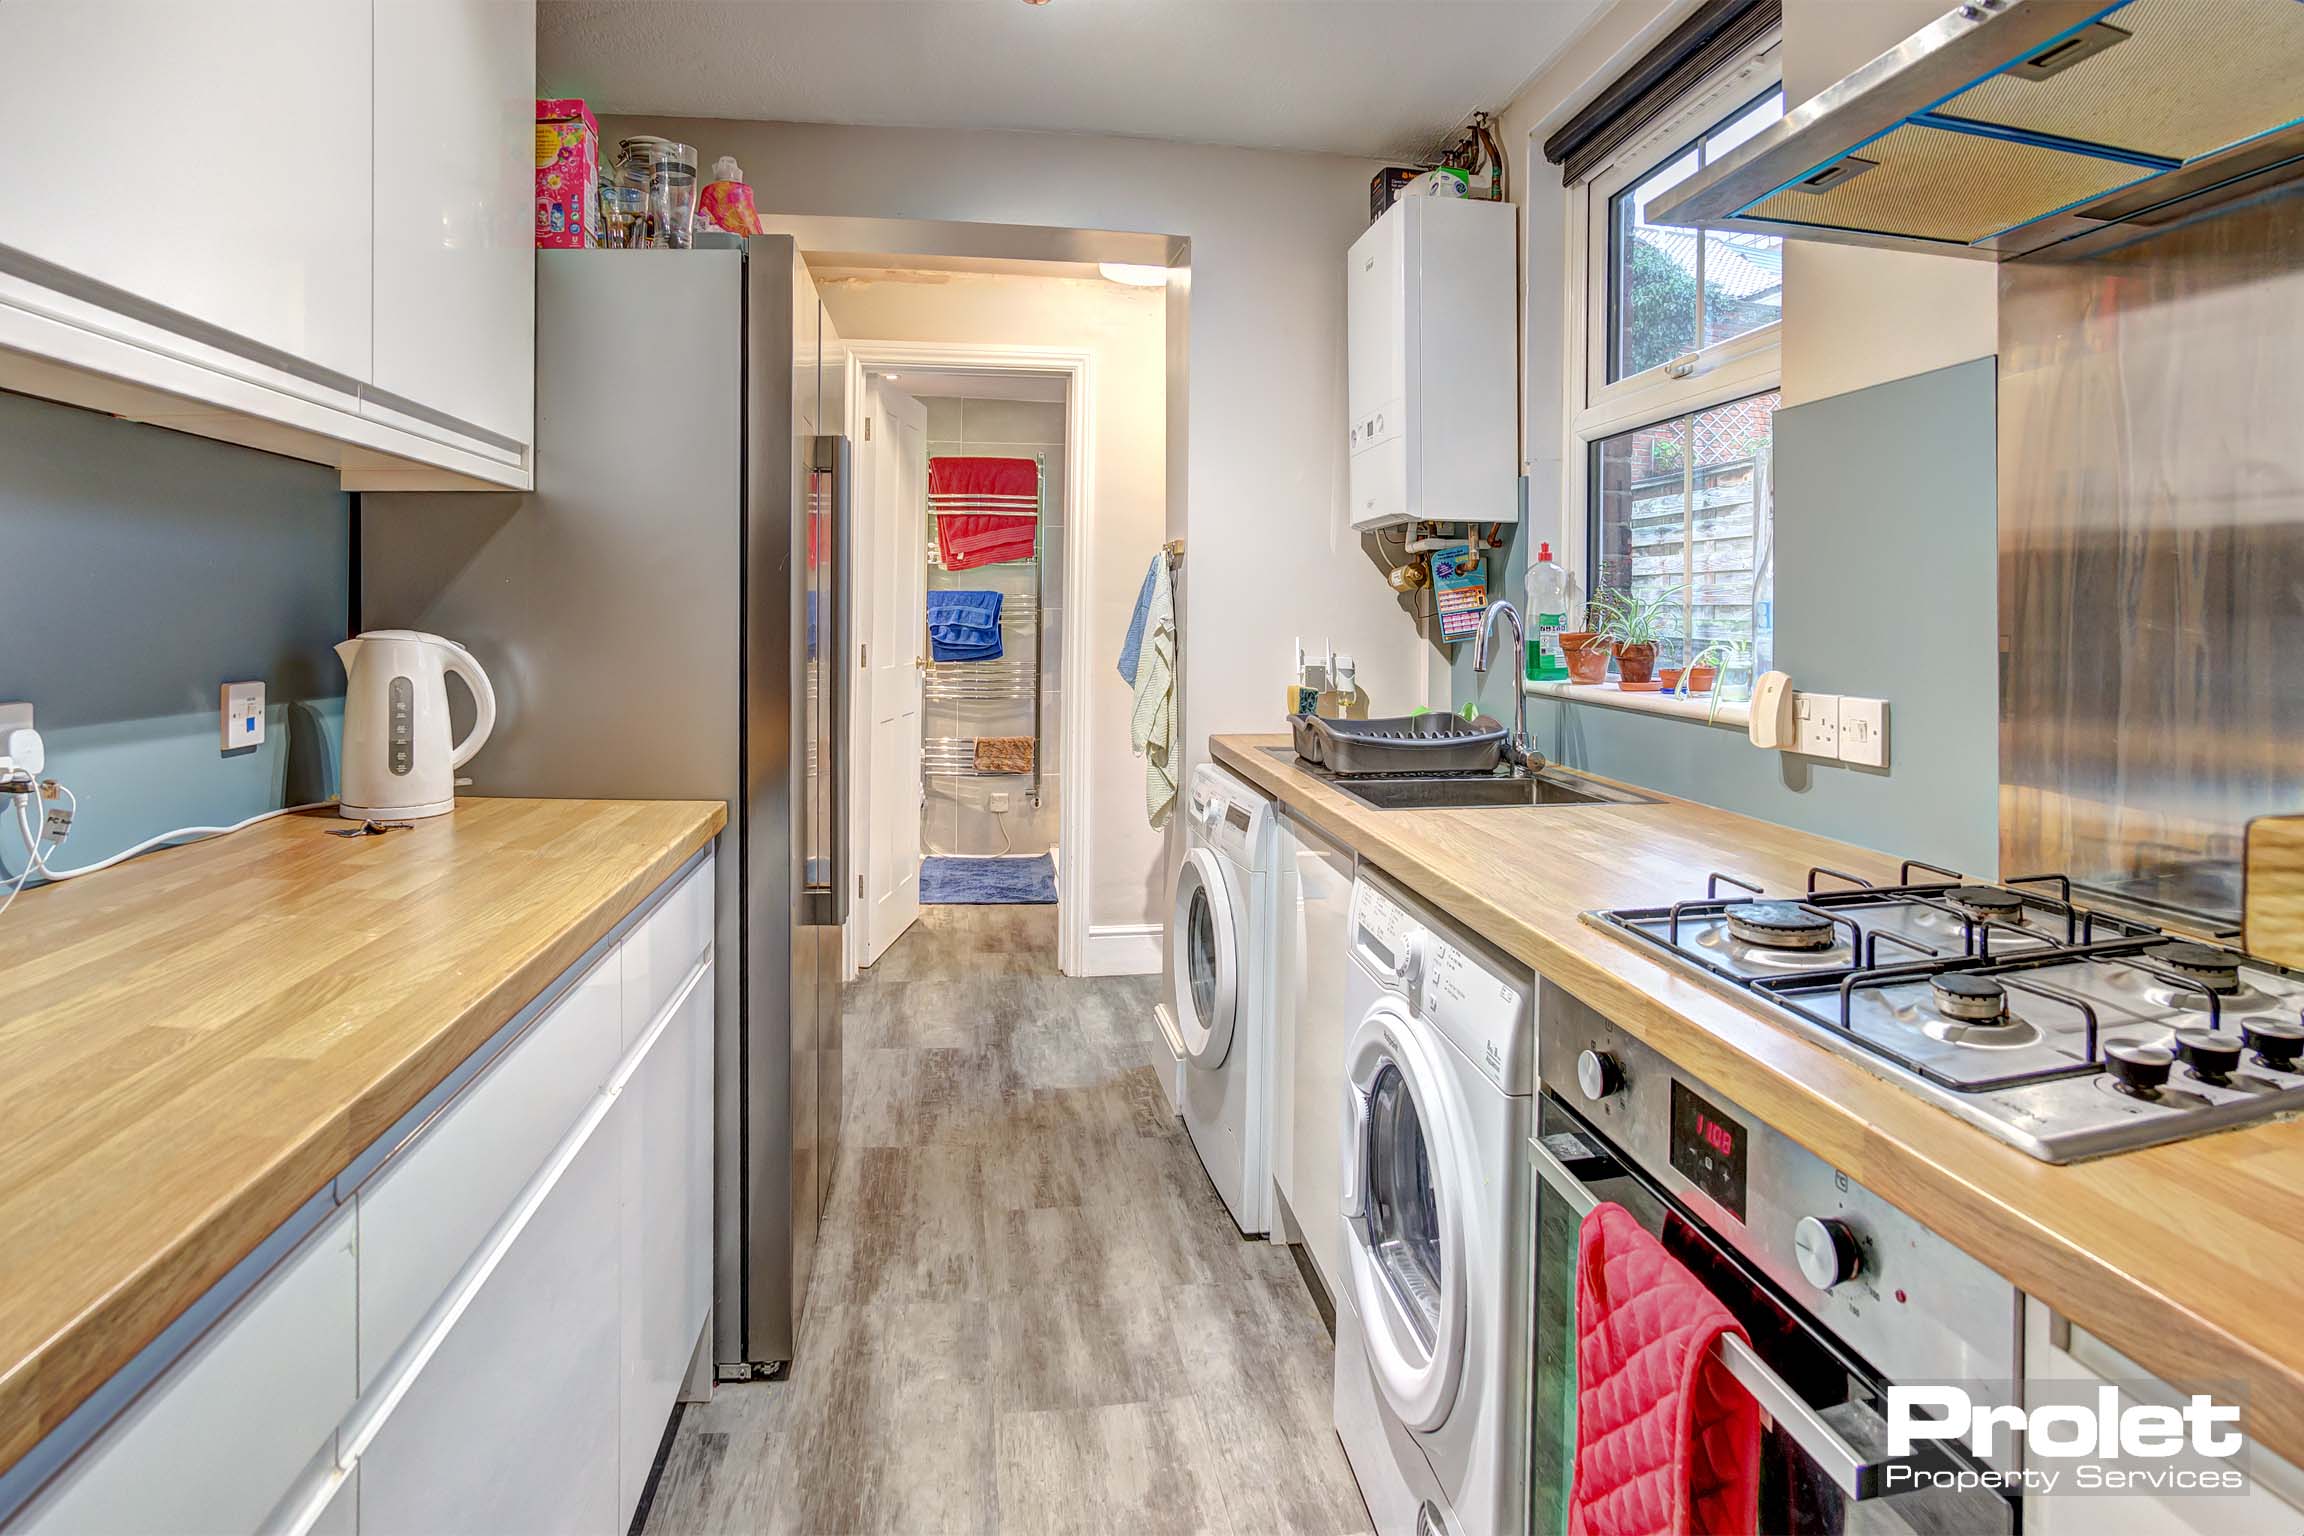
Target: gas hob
{"points": [[2067, 1032]]}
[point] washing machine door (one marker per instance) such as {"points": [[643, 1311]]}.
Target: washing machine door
{"points": [[1403, 1202], [1203, 935]]}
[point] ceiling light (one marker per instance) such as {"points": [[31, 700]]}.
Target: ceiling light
{"points": [[891, 378], [1134, 274]]}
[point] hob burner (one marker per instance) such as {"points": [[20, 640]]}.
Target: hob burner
{"points": [[1985, 903], [1970, 999], [2216, 969], [1779, 925]]}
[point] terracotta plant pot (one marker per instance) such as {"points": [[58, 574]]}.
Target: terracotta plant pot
{"points": [[1587, 656], [1636, 663], [1651, 686], [1700, 679]]}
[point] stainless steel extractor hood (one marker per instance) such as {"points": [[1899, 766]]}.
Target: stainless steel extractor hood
{"points": [[2012, 125]]}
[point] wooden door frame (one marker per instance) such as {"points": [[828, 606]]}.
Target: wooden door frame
{"points": [[1073, 670]]}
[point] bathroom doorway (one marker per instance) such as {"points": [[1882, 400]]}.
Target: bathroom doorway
{"points": [[967, 491]]}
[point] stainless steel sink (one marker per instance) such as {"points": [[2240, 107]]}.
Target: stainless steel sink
{"points": [[1545, 788]]}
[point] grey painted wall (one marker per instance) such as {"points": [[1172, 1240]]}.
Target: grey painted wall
{"points": [[139, 570], [1886, 587]]}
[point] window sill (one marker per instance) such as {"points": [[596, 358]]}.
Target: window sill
{"points": [[1734, 714]]}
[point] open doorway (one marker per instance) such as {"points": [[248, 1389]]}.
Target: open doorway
{"points": [[967, 469]]}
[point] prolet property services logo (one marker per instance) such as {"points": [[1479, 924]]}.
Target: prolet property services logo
{"points": [[2067, 1437]]}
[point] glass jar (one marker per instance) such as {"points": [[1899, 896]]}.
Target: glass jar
{"points": [[672, 196]]}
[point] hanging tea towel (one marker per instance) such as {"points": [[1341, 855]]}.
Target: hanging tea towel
{"points": [[1152, 728]]}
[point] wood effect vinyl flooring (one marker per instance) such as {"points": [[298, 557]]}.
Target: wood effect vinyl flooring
{"points": [[1030, 1312]]}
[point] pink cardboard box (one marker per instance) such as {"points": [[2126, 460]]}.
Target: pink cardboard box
{"points": [[567, 173]]}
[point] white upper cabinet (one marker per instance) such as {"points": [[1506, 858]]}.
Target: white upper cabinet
{"points": [[208, 158], [302, 225], [455, 210]]}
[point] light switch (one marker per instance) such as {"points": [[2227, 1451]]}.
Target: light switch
{"points": [[243, 715], [1864, 732], [1816, 724]]}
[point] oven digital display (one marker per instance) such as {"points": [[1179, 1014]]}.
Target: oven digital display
{"points": [[1708, 1148]]}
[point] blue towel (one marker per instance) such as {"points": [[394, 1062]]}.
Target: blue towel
{"points": [[964, 625], [1133, 647]]}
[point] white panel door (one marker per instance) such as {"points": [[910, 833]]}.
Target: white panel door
{"points": [[455, 194], [510, 1428], [898, 576], [663, 1118], [211, 159]]}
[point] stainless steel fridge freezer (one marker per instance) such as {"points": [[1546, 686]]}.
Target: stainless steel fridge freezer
{"points": [[660, 618]]}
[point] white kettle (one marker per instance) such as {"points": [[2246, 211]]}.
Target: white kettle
{"points": [[398, 761]]}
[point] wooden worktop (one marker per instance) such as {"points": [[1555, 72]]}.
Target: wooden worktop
{"points": [[2187, 1258], [194, 1043]]}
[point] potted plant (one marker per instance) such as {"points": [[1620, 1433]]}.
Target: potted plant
{"points": [[1702, 670], [1631, 624], [1587, 655]]}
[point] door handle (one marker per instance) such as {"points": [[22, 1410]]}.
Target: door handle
{"points": [[1353, 1202], [829, 455]]}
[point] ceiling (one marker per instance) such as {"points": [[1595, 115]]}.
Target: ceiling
{"points": [[1389, 79]]}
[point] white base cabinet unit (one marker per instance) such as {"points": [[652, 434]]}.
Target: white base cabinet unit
{"points": [[301, 225], [1312, 1033], [2057, 1352], [484, 1322]]}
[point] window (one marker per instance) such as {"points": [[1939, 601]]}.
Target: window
{"points": [[1672, 371], [1672, 292], [1680, 516]]}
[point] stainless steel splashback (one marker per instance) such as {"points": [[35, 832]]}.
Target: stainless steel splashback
{"points": [[2152, 556]]}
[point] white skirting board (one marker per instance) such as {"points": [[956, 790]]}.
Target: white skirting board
{"points": [[1124, 949]]}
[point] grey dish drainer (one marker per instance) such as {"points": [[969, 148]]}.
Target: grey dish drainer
{"points": [[958, 681]]}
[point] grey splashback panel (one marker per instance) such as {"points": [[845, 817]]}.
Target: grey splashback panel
{"points": [[2152, 555], [1884, 589], [140, 569]]}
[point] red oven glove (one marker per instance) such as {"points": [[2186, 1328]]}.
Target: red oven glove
{"points": [[1667, 1443]]}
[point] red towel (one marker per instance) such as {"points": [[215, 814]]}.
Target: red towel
{"points": [[1667, 1442], [985, 481], [987, 510], [971, 540]]}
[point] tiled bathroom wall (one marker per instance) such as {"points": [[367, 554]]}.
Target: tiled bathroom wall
{"points": [[956, 815]]}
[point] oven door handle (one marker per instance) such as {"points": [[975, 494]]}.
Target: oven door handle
{"points": [[1858, 1474]]}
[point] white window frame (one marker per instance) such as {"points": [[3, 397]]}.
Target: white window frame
{"points": [[1749, 364]]}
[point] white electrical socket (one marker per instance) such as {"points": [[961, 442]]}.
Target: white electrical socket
{"points": [[999, 800], [242, 715], [1864, 732], [1816, 724]]}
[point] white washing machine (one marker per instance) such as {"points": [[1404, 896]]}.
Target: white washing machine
{"points": [[1432, 1332], [1220, 965]]}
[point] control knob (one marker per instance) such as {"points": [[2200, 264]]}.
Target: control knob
{"points": [[2276, 1042], [1826, 1250], [1598, 1075], [1409, 968], [2209, 1053], [2140, 1068]]}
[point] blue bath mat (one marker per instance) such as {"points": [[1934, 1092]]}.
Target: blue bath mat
{"points": [[988, 882]]}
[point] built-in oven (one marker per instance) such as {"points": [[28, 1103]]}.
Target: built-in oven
{"points": [[1840, 1294]]}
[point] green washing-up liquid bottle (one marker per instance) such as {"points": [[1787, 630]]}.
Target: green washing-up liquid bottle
{"points": [[1547, 615]]}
